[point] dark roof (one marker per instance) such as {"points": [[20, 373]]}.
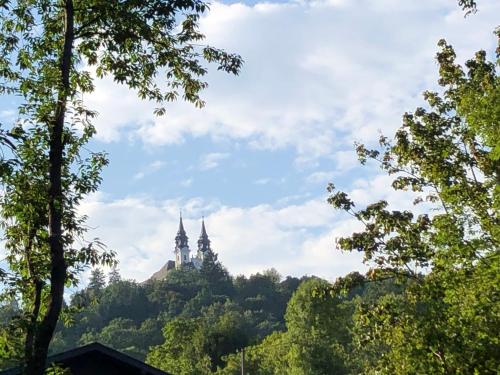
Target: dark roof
{"points": [[97, 359], [181, 240], [203, 241]]}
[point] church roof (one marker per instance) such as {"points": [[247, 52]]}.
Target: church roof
{"points": [[162, 272], [203, 230], [181, 240], [203, 241]]}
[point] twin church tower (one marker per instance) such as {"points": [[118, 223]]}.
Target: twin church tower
{"points": [[182, 251]]}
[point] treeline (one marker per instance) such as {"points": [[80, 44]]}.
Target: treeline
{"points": [[215, 313], [318, 336], [197, 322]]}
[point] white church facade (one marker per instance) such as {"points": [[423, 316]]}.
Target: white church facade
{"points": [[182, 252]]}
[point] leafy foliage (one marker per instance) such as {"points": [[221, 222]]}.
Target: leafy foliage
{"points": [[320, 333], [130, 317], [469, 6], [428, 305], [197, 345], [447, 319], [48, 52]]}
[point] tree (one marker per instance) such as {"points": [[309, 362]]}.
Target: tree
{"points": [[129, 317], [273, 275], [221, 329], [25, 220], [45, 46], [263, 293], [179, 354], [124, 335], [317, 339], [97, 280], [266, 358], [114, 275], [319, 320], [215, 276], [204, 298], [125, 299], [447, 320], [10, 343]]}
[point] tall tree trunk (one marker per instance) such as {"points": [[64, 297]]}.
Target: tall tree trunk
{"points": [[36, 364], [31, 330]]}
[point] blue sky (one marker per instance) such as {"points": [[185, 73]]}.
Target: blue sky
{"points": [[318, 76]]}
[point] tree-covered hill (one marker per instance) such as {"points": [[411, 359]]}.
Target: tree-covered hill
{"points": [[130, 316], [197, 322]]}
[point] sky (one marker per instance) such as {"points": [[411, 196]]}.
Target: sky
{"points": [[255, 162]]}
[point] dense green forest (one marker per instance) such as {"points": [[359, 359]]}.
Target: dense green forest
{"points": [[225, 313], [197, 322], [130, 316]]}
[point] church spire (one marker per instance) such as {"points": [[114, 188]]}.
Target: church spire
{"points": [[203, 241], [181, 240]]}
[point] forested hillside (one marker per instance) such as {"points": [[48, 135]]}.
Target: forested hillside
{"points": [[226, 313], [197, 322]]}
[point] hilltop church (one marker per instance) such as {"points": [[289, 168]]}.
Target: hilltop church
{"points": [[182, 252]]}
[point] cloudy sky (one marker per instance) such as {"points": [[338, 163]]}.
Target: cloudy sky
{"points": [[318, 76]]}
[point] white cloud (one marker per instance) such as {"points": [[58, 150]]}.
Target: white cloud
{"points": [[262, 181], [320, 177], [187, 182], [212, 160], [295, 239], [344, 161], [317, 75], [292, 198], [8, 114], [149, 169], [139, 176], [157, 164], [247, 240]]}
